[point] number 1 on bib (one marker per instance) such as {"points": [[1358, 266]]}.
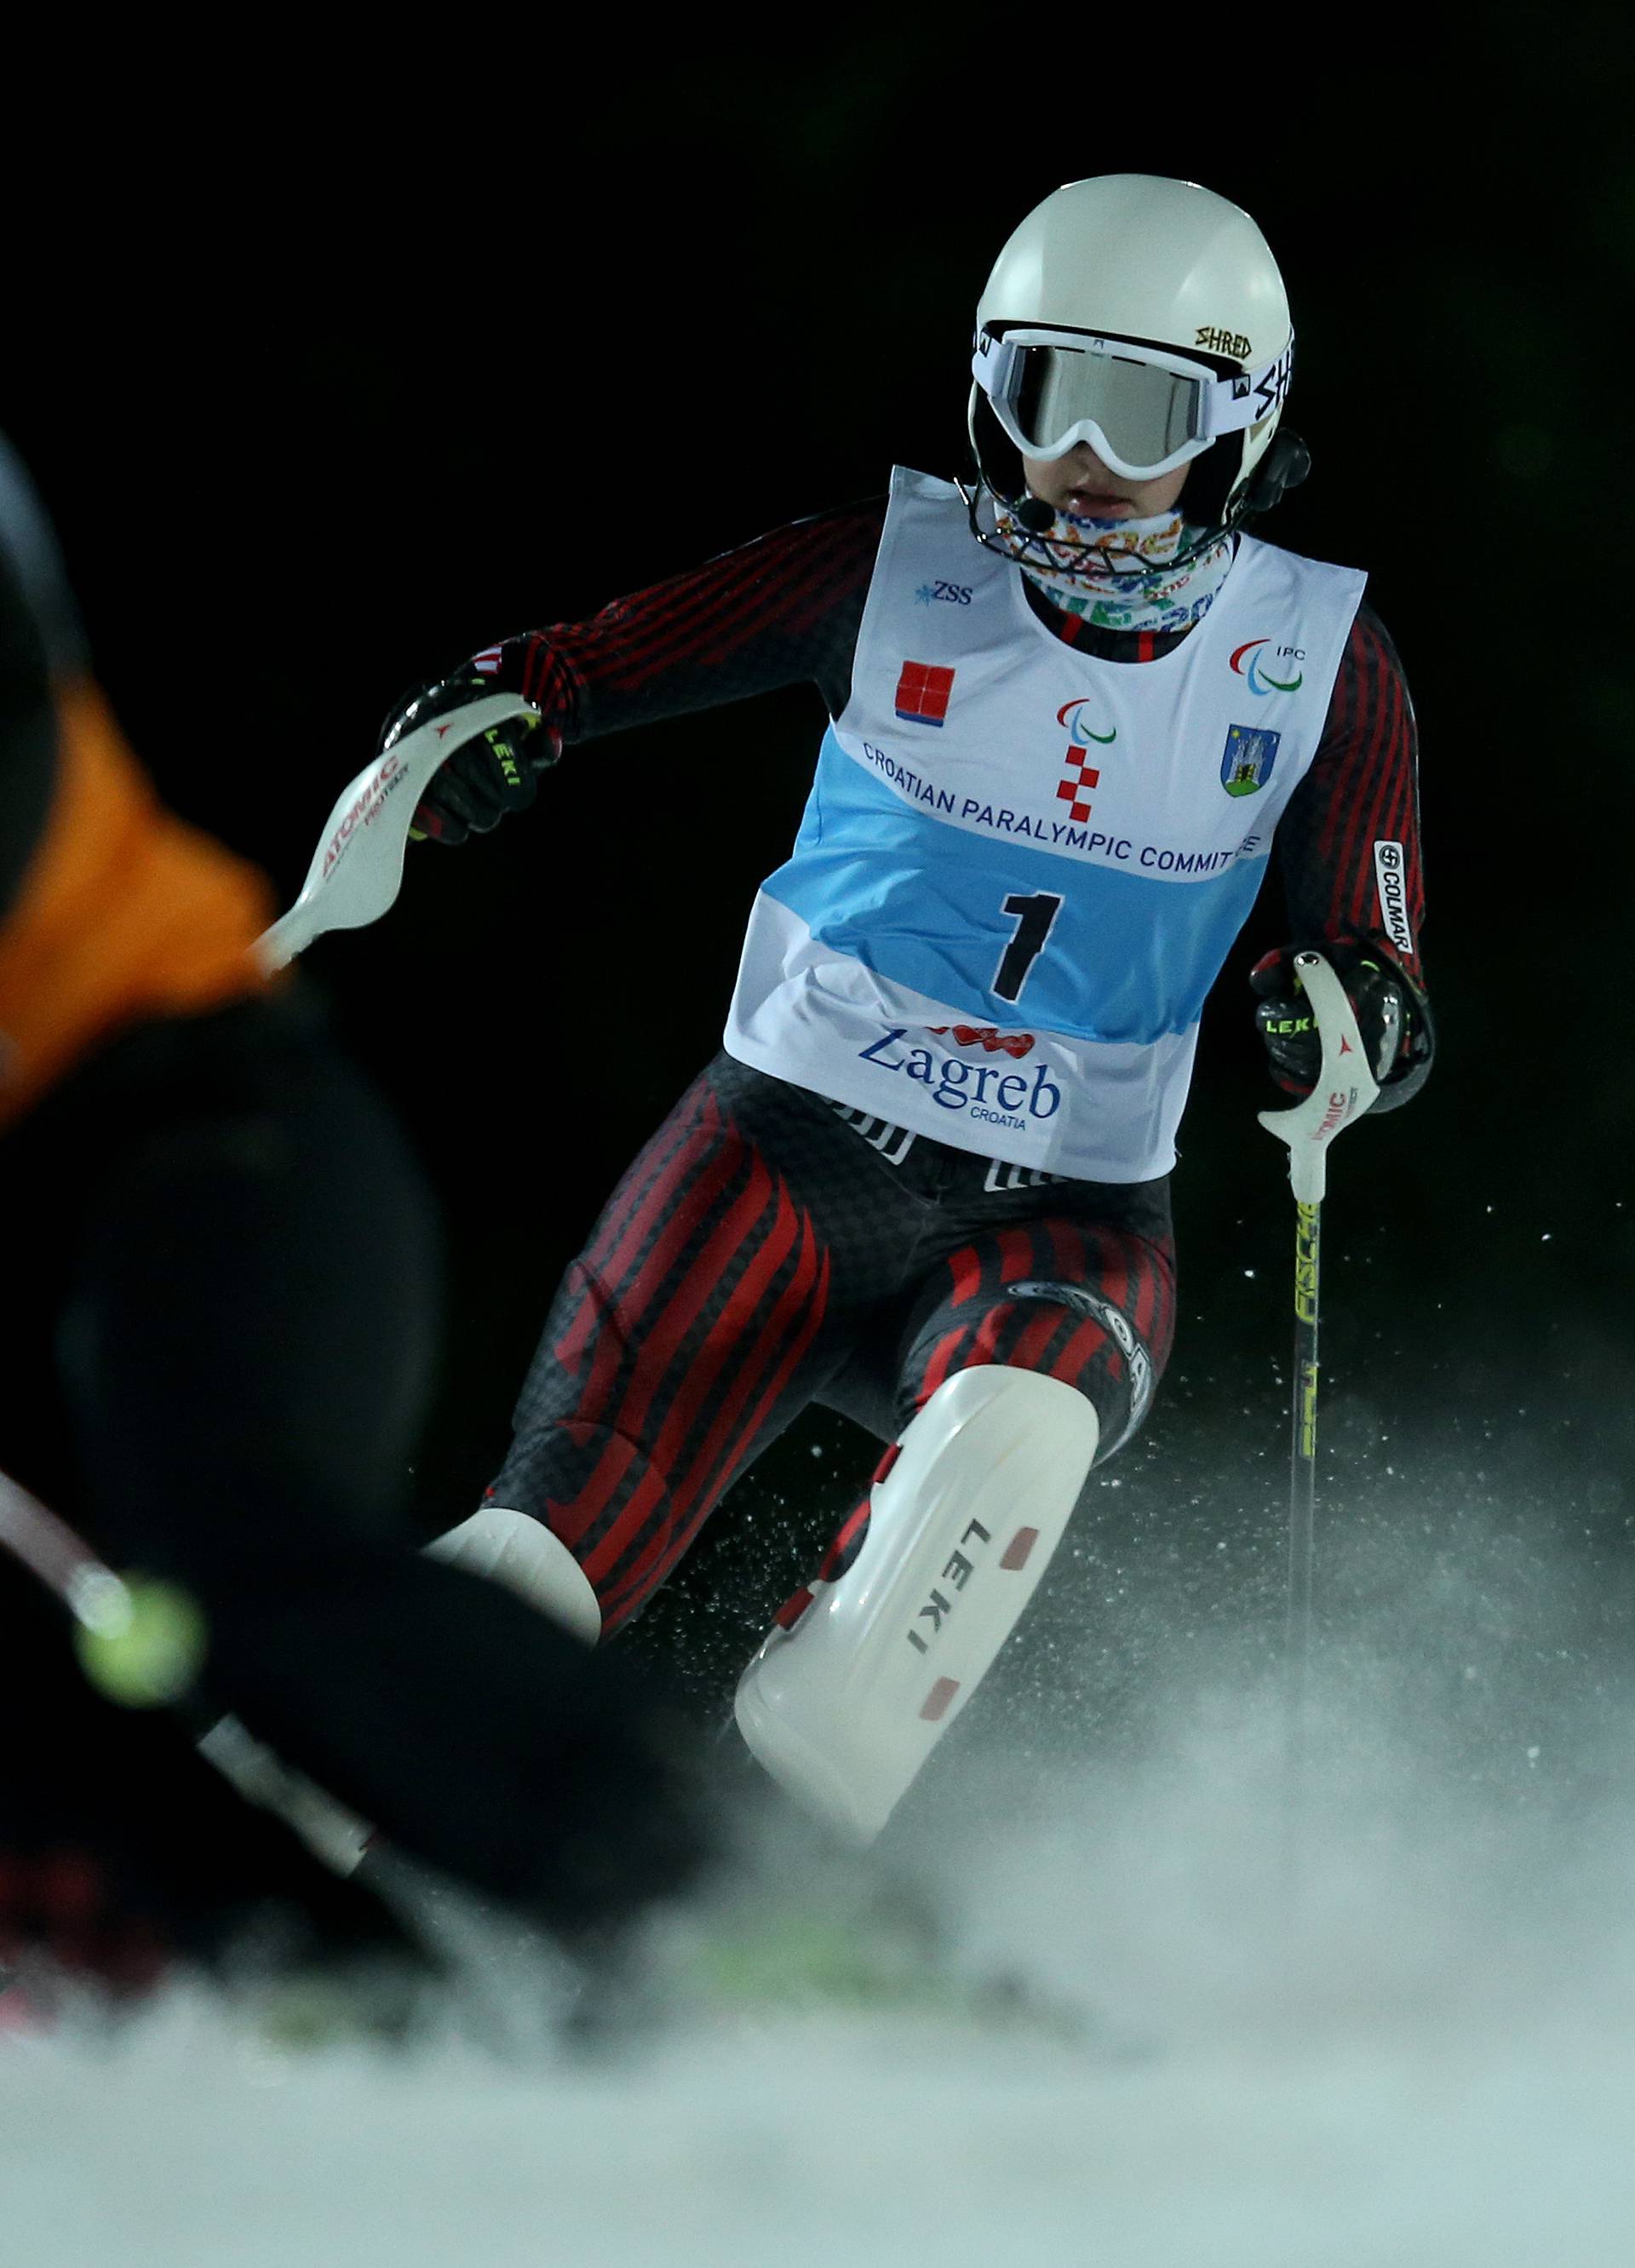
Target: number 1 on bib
{"points": [[1034, 917]]}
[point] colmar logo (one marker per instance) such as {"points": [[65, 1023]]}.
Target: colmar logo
{"points": [[1082, 776], [1390, 875], [1260, 679]]}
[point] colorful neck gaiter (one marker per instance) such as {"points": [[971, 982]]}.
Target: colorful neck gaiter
{"points": [[1112, 583]]}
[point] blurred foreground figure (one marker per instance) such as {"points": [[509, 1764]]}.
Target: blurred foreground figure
{"points": [[216, 1330], [926, 1180]]}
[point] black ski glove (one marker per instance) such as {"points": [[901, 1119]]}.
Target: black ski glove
{"points": [[488, 775], [1395, 1033]]}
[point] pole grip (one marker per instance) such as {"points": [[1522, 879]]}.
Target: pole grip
{"points": [[358, 868], [1345, 1087]]}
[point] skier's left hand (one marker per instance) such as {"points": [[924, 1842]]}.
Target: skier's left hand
{"points": [[1382, 1001], [484, 777]]}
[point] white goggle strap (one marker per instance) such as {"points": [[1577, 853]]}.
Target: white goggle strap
{"points": [[1232, 404], [994, 368]]}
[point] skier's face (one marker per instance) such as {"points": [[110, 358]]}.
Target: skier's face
{"points": [[1081, 482]]}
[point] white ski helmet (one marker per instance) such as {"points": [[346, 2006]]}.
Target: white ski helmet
{"points": [[1146, 317]]}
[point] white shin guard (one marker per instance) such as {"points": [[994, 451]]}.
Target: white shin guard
{"points": [[845, 1708], [514, 1549]]}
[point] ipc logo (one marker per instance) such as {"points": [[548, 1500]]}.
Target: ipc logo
{"points": [[1071, 718], [1260, 679]]}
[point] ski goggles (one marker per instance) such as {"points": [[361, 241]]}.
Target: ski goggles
{"points": [[1142, 410]]}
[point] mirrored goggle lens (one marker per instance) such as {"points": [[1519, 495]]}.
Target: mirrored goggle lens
{"points": [[1147, 413]]}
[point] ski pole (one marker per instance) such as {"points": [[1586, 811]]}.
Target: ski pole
{"points": [[142, 1643], [358, 868], [1343, 1091]]}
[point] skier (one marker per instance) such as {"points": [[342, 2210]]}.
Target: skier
{"points": [[215, 1343], [925, 1182]]}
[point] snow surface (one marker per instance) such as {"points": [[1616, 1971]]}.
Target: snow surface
{"points": [[1435, 2063], [1406, 2146], [1421, 2056]]}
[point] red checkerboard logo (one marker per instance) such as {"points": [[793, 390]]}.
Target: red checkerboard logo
{"points": [[1081, 777], [923, 692]]}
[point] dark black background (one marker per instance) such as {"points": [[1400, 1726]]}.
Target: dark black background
{"points": [[329, 378]]}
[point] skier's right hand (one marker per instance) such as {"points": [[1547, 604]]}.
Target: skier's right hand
{"points": [[485, 775]]}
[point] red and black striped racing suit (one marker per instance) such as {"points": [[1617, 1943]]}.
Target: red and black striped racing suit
{"points": [[770, 1248]]}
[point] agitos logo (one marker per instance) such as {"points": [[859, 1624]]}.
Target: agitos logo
{"points": [[1081, 777], [1260, 680], [1079, 728]]}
